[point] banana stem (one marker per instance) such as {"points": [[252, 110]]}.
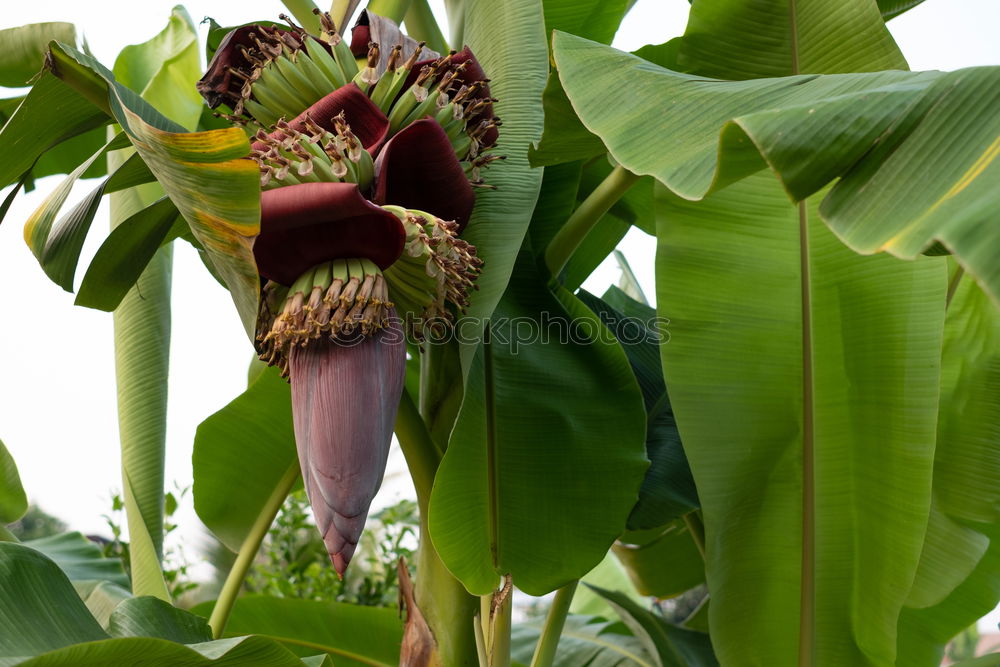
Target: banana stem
{"points": [[390, 9], [421, 25], [571, 235], [545, 652], [422, 455], [302, 10], [248, 550], [697, 530]]}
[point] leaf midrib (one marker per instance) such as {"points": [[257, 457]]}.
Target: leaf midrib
{"points": [[807, 608]]}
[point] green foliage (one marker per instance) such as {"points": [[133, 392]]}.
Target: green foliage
{"points": [[483, 514], [294, 562]]}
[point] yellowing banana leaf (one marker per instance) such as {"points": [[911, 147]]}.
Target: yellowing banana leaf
{"points": [[215, 190], [57, 244]]}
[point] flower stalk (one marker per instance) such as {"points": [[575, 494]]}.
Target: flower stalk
{"points": [[578, 225]]}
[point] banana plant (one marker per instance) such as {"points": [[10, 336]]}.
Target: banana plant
{"points": [[806, 427]]}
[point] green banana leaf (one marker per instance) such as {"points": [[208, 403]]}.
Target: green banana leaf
{"points": [[752, 39], [564, 138], [593, 19], [57, 244], [244, 458], [13, 501], [21, 58], [80, 559], [893, 8], [101, 598], [516, 64], [668, 490], [609, 574], [349, 634], [715, 133], [959, 576], [769, 390], [542, 425], [666, 565], [41, 610], [672, 645], [24, 50], [126, 252], [61, 111], [47, 624], [585, 640], [152, 617]]}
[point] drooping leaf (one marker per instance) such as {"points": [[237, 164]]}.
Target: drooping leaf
{"points": [[13, 501], [714, 133], [124, 255], [516, 64], [63, 112], [202, 173], [57, 243], [509, 456], [46, 624], [241, 455], [350, 634], [564, 138], [672, 645], [142, 651], [585, 640], [79, 558]]}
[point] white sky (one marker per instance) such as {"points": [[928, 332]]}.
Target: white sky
{"points": [[57, 392]]}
